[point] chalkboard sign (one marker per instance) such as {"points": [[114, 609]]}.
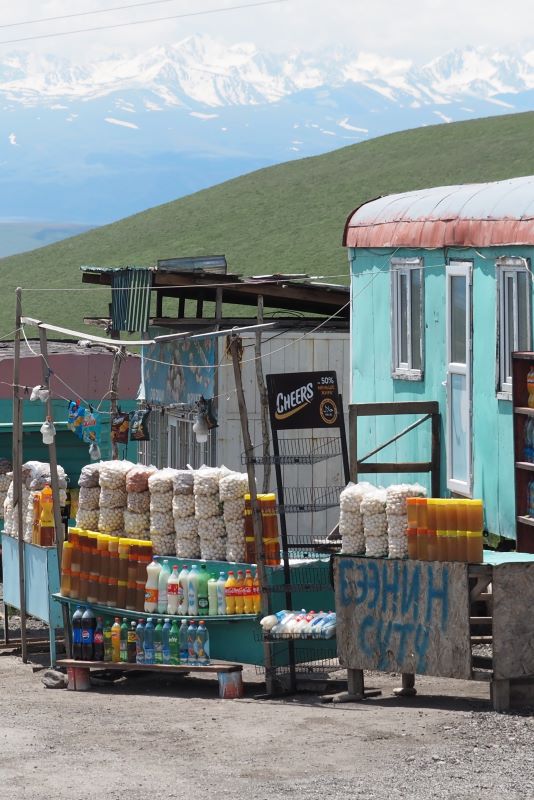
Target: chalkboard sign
{"points": [[301, 400], [403, 616]]}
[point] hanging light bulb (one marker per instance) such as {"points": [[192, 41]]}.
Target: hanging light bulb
{"points": [[48, 431], [200, 428]]}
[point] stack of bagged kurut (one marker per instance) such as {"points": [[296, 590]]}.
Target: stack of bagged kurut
{"points": [[211, 528], [137, 512], [183, 511]]}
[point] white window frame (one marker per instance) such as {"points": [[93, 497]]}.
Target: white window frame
{"points": [[507, 267], [404, 370]]}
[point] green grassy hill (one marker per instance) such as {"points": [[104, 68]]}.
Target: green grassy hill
{"points": [[287, 218]]}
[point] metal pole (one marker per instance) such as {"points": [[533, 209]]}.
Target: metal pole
{"points": [[114, 385], [235, 349], [17, 471], [54, 481]]}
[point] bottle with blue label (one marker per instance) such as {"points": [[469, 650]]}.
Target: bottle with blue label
{"points": [[191, 643], [158, 643], [149, 641], [221, 596], [202, 644], [140, 642], [182, 638], [77, 633], [192, 591], [165, 642]]}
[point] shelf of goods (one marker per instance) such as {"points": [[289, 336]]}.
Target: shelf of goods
{"points": [[445, 619], [523, 418]]}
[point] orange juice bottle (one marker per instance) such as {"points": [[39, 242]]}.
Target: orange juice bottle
{"points": [[229, 592], [248, 596]]}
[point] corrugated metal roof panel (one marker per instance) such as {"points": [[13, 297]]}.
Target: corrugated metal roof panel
{"points": [[478, 215]]}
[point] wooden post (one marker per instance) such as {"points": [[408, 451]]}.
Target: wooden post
{"points": [[264, 401], [17, 471], [235, 349], [436, 455], [353, 443], [113, 393]]}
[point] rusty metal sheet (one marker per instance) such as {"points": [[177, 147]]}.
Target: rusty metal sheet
{"points": [[477, 215]]}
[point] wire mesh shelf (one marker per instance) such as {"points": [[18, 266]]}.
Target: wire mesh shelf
{"points": [[285, 637], [311, 656], [299, 499], [305, 450]]}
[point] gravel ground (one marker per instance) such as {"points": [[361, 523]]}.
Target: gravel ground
{"points": [[155, 737]]}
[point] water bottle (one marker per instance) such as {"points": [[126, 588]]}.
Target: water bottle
{"points": [[165, 642], [158, 643], [184, 652], [202, 644], [191, 644], [88, 632], [192, 591], [148, 643], [140, 642], [77, 633], [221, 597]]}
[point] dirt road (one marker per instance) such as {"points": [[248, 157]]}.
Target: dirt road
{"points": [[156, 738]]}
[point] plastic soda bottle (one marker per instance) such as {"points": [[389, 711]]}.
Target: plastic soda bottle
{"points": [[202, 644], [191, 643], [140, 642], [173, 586], [132, 643], [47, 535], [158, 643], [99, 640], [77, 633], [221, 598], [182, 640], [192, 591], [174, 643], [213, 609], [124, 641], [148, 642], [256, 596], [239, 592], [165, 643], [248, 593], [203, 598], [151, 587], [108, 654], [88, 632], [116, 640], [163, 580], [229, 593], [183, 590]]}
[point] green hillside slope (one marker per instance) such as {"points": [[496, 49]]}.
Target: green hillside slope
{"points": [[284, 218]]}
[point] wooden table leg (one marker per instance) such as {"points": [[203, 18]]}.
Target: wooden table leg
{"points": [[6, 625], [408, 686], [356, 690], [500, 695]]}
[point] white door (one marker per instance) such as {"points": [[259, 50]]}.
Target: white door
{"points": [[459, 430]]}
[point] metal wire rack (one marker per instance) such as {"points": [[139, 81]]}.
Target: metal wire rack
{"points": [[299, 499], [310, 656], [304, 450]]}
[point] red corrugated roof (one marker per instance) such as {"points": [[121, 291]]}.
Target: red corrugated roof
{"points": [[476, 215]]}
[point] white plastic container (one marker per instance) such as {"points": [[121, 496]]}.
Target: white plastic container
{"points": [[173, 586], [163, 580], [213, 606], [192, 591], [221, 597], [183, 590], [151, 587]]}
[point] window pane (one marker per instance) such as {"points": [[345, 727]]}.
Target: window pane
{"points": [[458, 319], [403, 314], [416, 321], [509, 323], [523, 281], [459, 410]]}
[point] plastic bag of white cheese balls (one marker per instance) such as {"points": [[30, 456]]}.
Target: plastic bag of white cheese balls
{"points": [[137, 478], [374, 503], [206, 481], [233, 509], [89, 498], [235, 541], [160, 502], [207, 505], [87, 518], [183, 505], [397, 538], [138, 502], [113, 474], [351, 530], [397, 495], [352, 495], [89, 476], [162, 481], [188, 547], [376, 546], [183, 483], [233, 486], [136, 524], [163, 544], [212, 535], [375, 523], [112, 498], [186, 527], [111, 519], [161, 523], [5, 480]]}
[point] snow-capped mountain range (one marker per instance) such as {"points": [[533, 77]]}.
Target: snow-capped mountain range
{"points": [[95, 143]]}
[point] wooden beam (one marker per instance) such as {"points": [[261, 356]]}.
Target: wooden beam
{"points": [[389, 467], [404, 407], [17, 473]]}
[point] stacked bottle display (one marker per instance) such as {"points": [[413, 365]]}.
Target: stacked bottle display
{"points": [[445, 530], [152, 642], [196, 592]]}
